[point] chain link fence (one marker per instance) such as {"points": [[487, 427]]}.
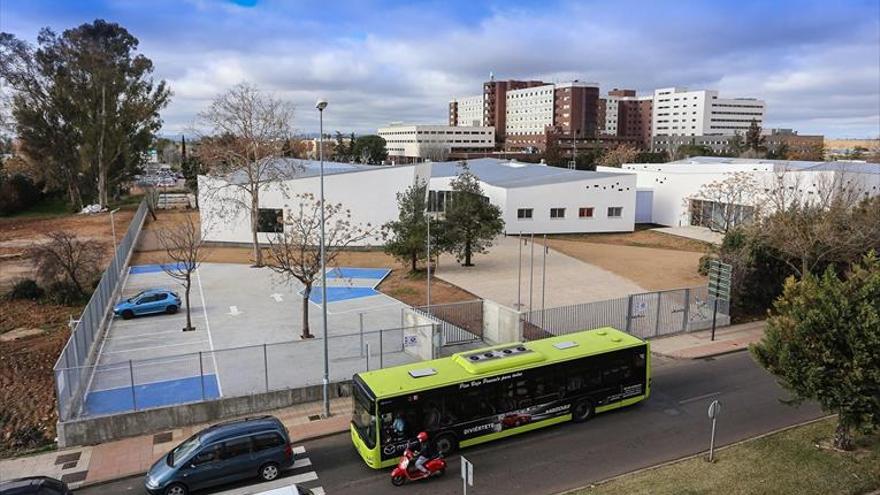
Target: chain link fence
{"points": [[80, 348], [235, 372]]}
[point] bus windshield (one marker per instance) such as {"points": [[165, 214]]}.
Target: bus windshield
{"points": [[364, 417]]}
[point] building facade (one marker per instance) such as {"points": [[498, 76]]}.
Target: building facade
{"points": [[468, 111], [679, 112], [408, 143]]}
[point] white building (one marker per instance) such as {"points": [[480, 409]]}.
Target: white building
{"points": [[547, 200], [413, 141], [368, 191], [470, 111], [612, 103], [679, 112], [529, 110], [671, 193]]}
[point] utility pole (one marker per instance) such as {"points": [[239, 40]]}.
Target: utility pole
{"points": [[543, 279], [321, 105], [520, 241], [531, 268]]}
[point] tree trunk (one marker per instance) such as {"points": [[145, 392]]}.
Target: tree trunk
{"points": [[307, 292], [255, 215], [74, 195], [843, 439], [102, 168], [467, 254], [188, 319], [413, 259]]}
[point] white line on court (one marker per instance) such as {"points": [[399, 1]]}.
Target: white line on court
{"points": [[208, 328], [152, 334], [134, 349]]}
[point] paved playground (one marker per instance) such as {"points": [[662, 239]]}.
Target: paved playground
{"points": [[247, 337]]}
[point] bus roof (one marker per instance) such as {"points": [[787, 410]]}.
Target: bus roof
{"points": [[463, 366]]}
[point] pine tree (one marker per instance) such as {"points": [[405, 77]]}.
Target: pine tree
{"points": [[408, 234]]}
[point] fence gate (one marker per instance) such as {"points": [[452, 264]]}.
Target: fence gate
{"points": [[672, 312]]}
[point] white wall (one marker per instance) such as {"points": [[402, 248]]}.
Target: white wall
{"points": [[679, 112], [417, 141], [370, 195], [470, 111], [529, 110]]}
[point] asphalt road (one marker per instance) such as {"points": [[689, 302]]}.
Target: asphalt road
{"points": [[671, 424]]}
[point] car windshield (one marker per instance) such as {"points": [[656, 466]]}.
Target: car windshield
{"points": [[134, 297], [183, 451], [364, 418]]}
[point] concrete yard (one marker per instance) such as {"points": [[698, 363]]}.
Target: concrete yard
{"points": [[248, 321], [568, 281]]}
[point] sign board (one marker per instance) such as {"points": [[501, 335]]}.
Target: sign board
{"points": [[641, 307], [410, 340], [714, 409], [467, 472], [719, 280]]}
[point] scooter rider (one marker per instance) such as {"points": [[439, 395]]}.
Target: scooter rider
{"points": [[427, 451]]}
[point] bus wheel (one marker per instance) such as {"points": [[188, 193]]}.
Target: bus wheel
{"points": [[582, 411], [446, 444]]}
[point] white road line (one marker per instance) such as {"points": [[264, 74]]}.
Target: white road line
{"points": [[318, 490], [137, 349], [301, 463], [302, 478], [699, 397], [299, 450], [208, 328]]}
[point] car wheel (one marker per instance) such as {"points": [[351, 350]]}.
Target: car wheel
{"points": [[127, 314], [446, 444], [171, 309], [582, 411], [269, 471], [176, 489]]}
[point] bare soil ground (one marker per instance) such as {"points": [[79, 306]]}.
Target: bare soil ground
{"points": [[669, 262], [27, 393]]}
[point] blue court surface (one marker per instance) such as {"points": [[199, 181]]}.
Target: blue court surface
{"points": [[348, 272], [341, 293], [134, 270], [157, 394]]}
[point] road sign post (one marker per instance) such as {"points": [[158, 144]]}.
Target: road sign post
{"points": [[467, 475], [714, 410], [719, 287]]}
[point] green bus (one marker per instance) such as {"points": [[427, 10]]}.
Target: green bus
{"points": [[481, 395]]}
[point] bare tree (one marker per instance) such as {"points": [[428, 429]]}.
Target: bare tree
{"points": [[296, 252], [434, 152], [624, 153], [250, 131], [736, 198], [66, 258], [184, 245]]}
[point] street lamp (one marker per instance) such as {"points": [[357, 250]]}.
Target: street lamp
{"points": [[115, 249], [321, 105]]}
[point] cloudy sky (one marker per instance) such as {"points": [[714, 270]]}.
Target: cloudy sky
{"points": [[817, 64]]}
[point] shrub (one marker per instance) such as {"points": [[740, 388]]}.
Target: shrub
{"points": [[64, 293], [25, 289], [66, 259], [17, 192]]}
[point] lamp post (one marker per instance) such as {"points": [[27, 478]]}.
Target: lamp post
{"points": [[115, 249], [321, 105]]}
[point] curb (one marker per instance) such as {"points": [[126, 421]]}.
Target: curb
{"points": [[693, 456], [703, 356]]}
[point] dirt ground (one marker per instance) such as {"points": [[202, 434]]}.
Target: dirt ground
{"points": [[650, 267], [644, 237], [27, 394]]}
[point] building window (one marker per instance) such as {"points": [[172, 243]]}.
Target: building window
{"points": [[615, 211], [585, 212], [524, 213], [557, 212], [437, 201], [270, 220]]}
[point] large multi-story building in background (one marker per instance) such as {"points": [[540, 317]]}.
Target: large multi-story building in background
{"points": [[622, 113], [407, 143], [679, 112], [495, 102], [467, 111]]}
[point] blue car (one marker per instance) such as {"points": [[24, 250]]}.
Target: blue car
{"points": [[147, 302]]}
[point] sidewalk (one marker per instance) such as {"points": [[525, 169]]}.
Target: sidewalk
{"points": [[133, 456], [696, 345]]}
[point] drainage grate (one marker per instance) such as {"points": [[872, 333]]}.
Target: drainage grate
{"points": [[65, 458], [74, 477], [162, 438], [69, 465], [314, 417]]}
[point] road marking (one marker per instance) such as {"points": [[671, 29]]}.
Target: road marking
{"points": [[233, 311], [302, 478], [318, 490], [278, 297], [299, 450], [208, 328], [301, 463], [699, 397]]}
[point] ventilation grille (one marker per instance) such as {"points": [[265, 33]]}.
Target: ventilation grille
{"points": [[495, 354]]}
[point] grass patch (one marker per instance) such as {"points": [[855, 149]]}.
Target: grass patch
{"points": [[48, 207], [783, 463]]}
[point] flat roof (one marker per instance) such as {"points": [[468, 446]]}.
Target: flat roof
{"points": [[511, 173], [295, 168], [777, 165], [389, 382]]}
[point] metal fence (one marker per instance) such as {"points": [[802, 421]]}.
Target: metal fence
{"points": [[460, 323], [235, 372], [646, 315], [80, 348]]}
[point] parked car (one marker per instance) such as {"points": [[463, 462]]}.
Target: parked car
{"points": [[148, 302], [34, 485], [226, 452]]}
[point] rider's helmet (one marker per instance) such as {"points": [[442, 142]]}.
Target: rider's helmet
{"points": [[422, 436]]}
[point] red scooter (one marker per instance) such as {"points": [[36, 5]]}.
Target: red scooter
{"points": [[406, 469]]}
